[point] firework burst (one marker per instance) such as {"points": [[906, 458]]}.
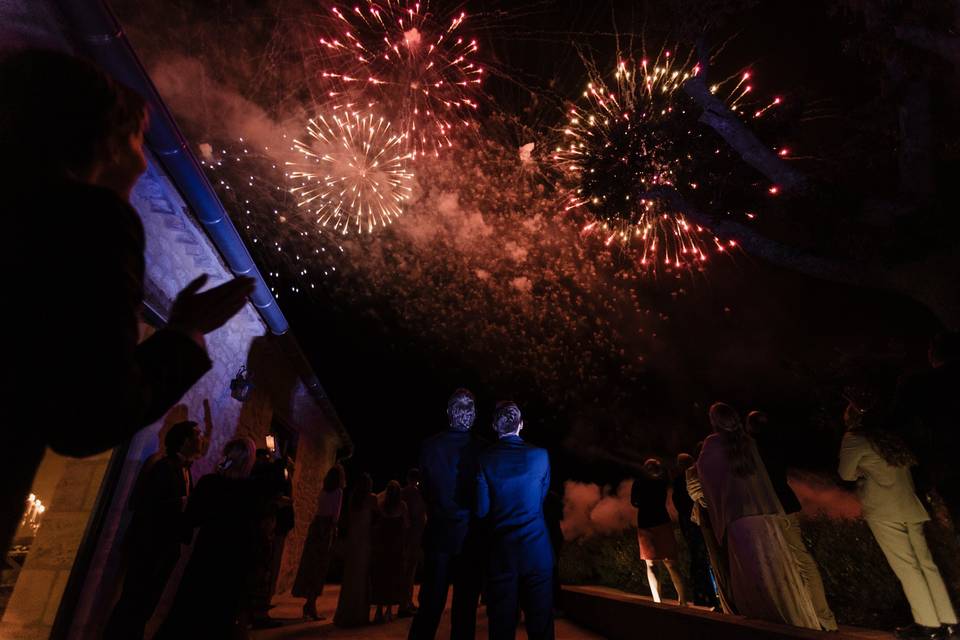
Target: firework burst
{"points": [[352, 172], [416, 63], [623, 146]]}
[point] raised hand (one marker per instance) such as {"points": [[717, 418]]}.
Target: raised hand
{"points": [[207, 417], [196, 312]]}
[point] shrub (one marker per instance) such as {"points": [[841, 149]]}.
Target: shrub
{"points": [[861, 588]]}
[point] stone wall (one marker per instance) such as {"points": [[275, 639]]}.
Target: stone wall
{"points": [[36, 597]]}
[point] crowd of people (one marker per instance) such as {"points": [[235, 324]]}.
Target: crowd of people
{"points": [[381, 535], [740, 517], [476, 516], [236, 518], [473, 514]]}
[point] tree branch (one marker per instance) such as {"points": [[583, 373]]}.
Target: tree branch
{"points": [[916, 153], [731, 128], [931, 281], [774, 252], [945, 46]]}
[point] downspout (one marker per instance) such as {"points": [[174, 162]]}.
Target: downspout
{"points": [[97, 31]]}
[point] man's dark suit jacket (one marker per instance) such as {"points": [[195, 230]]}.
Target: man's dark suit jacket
{"points": [[926, 413], [512, 483], [448, 464], [78, 380], [158, 503]]}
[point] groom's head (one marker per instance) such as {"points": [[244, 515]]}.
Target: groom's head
{"points": [[460, 410], [507, 420]]}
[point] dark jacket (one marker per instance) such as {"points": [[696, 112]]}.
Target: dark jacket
{"points": [[682, 501], [78, 380], [157, 504], [926, 414], [448, 464], [219, 575], [649, 496], [512, 483]]}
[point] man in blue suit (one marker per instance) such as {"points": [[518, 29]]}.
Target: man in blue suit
{"points": [[512, 482], [448, 465]]}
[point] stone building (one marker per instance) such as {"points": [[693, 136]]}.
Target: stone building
{"points": [[65, 571]]}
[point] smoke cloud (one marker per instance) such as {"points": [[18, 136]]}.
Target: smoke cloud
{"points": [[820, 497], [589, 509]]}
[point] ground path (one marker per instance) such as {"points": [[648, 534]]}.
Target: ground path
{"points": [[618, 614], [287, 609]]}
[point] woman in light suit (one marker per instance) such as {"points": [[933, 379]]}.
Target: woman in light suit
{"points": [[880, 464]]}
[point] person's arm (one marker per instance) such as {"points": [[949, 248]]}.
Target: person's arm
{"points": [[694, 488], [635, 493], [374, 505], [207, 428], [197, 508], [338, 506], [545, 480], [426, 484], [851, 452], [143, 381], [482, 506]]}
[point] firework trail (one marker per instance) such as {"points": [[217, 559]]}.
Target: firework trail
{"points": [[255, 190]]}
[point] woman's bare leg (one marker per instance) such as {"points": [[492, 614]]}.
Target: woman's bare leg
{"points": [[652, 580], [678, 582]]}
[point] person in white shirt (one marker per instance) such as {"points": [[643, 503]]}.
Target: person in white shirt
{"points": [[880, 464]]}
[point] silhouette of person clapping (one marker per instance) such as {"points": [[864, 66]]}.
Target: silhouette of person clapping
{"points": [[72, 150]]}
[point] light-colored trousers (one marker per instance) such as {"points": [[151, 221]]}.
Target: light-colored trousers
{"points": [[905, 547], [809, 570]]}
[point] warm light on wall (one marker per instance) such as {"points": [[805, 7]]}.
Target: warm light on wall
{"points": [[33, 512]]}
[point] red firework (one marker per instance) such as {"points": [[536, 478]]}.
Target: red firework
{"points": [[413, 61]]}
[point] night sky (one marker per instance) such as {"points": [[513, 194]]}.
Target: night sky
{"points": [[391, 344]]}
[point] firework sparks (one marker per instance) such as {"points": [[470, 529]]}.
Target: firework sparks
{"points": [[251, 182], [414, 62], [353, 171], [622, 145]]}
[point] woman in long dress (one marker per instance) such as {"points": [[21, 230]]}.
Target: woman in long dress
{"points": [[318, 547], [880, 464], [745, 513], [353, 606], [388, 581], [655, 529]]}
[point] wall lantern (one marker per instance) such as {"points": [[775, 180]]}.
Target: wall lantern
{"points": [[240, 386]]}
